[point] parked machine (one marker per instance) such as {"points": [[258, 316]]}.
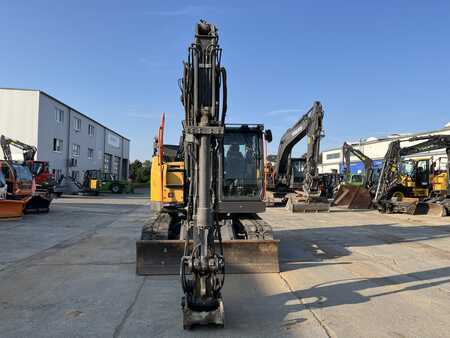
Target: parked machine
{"points": [[407, 189], [29, 172], [91, 182], [212, 224], [96, 181], [357, 191], [304, 194], [9, 208]]}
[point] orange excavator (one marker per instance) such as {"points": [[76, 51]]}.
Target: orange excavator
{"points": [[29, 184], [16, 189]]}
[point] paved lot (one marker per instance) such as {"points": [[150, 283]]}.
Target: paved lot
{"points": [[71, 273]]}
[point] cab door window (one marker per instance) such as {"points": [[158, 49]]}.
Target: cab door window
{"points": [[241, 158]]}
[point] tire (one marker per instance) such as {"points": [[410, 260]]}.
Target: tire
{"points": [[116, 189], [398, 192], [59, 194]]}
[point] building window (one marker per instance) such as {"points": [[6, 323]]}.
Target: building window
{"points": [[91, 130], [90, 153], [107, 163], [57, 173], [76, 149], [333, 156], [59, 115], [116, 166], [75, 174], [77, 124], [57, 145]]}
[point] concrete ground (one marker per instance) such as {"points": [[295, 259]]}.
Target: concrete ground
{"points": [[71, 273]]}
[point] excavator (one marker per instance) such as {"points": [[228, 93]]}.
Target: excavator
{"points": [[307, 196], [42, 180], [205, 220], [396, 186], [356, 191]]}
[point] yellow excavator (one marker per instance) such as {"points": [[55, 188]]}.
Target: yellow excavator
{"points": [[208, 196], [406, 186]]}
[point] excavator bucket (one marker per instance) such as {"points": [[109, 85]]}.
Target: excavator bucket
{"points": [[12, 208], [352, 197], [297, 203], [431, 209], [162, 257], [39, 202]]}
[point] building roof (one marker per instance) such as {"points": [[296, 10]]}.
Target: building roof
{"points": [[372, 140], [70, 107]]}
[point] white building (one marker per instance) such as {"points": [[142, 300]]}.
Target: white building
{"points": [[71, 141], [376, 148]]}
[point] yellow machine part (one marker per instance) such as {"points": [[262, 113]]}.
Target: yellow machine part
{"points": [[167, 182], [421, 192], [407, 182], [93, 184], [440, 182]]}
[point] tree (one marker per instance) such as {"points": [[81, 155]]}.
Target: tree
{"points": [[143, 173], [134, 169]]}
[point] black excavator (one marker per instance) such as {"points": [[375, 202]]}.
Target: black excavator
{"points": [[392, 180], [206, 219], [355, 193], [307, 195]]}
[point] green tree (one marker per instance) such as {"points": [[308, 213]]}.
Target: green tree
{"points": [[143, 173], [134, 169]]}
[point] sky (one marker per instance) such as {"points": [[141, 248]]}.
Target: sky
{"points": [[378, 67]]}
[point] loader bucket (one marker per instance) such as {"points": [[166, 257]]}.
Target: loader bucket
{"points": [[11, 208], [162, 257], [353, 197]]}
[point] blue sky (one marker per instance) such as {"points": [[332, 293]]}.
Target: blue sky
{"points": [[378, 67]]}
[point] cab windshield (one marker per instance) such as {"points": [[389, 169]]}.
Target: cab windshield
{"points": [[406, 168], [298, 170], [22, 172], [39, 168], [241, 156]]}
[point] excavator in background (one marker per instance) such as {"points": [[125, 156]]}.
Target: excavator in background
{"points": [[210, 195], [42, 181], [305, 196], [410, 191], [357, 191], [17, 188]]}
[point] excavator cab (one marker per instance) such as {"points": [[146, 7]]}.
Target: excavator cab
{"points": [[242, 167], [414, 178], [298, 167]]}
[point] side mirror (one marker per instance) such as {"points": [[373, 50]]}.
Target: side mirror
{"points": [[268, 135]]}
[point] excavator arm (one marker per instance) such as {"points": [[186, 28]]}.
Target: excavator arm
{"points": [[347, 151], [310, 125], [311, 184], [28, 151]]}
